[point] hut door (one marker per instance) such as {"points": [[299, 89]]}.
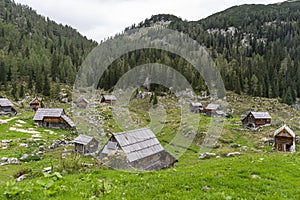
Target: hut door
{"points": [[284, 147]]}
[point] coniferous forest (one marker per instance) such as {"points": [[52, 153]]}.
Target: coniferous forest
{"points": [[36, 52], [255, 47]]}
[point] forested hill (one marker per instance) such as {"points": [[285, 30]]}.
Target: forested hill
{"points": [[36, 48], [256, 47]]}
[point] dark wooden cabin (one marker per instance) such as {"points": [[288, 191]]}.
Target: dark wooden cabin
{"points": [[141, 148], [85, 144], [109, 99], [256, 119], [196, 107], [284, 139], [53, 118], [7, 107], [83, 103], [35, 104]]}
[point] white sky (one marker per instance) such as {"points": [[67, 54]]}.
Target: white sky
{"points": [[99, 19]]}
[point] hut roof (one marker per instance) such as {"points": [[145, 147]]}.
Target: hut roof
{"points": [[83, 139], [196, 104], [52, 112], [110, 97], [261, 115], [4, 102], [139, 143], [284, 127], [68, 120], [213, 106], [34, 100], [48, 112], [85, 100]]}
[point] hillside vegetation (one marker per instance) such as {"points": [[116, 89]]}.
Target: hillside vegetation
{"points": [[256, 48], [255, 174], [36, 52]]}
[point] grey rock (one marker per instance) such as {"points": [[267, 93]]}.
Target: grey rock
{"points": [[233, 154], [206, 155], [21, 178], [25, 156]]}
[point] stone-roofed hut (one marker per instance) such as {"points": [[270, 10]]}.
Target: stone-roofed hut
{"points": [[53, 118], [196, 107], [141, 148], [35, 104], [256, 119], [6, 107], [85, 144], [109, 99], [284, 139]]}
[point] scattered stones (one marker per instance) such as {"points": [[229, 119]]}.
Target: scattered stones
{"points": [[233, 154], [23, 145], [21, 178], [244, 148], [6, 141], [25, 156], [234, 145], [47, 169], [206, 155], [42, 148], [8, 161]]}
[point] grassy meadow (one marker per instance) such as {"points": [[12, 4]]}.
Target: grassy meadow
{"points": [[258, 173]]}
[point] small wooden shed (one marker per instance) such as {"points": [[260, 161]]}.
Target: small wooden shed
{"points": [[256, 119], [212, 108], [196, 107], [83, 103], [6, 107], [284, 139], [109, 99], [53, 118], [86, 144], [141, 148], [35, 104]]}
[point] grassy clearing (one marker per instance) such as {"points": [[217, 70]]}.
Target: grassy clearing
{"points": [[252, 176], [259, 173]]}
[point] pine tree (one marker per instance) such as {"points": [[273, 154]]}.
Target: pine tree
{"points": [[46, 86], [21, 92]]}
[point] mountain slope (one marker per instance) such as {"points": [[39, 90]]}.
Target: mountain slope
{"points": [[37, 49], [256, 47]]}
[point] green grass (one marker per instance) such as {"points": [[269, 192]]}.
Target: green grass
{"points": [[259, 173], [252, 176]]}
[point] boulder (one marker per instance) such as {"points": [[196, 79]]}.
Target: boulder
{"points": [[206, 155], [24, 157], [233, 154], [21, 178]]}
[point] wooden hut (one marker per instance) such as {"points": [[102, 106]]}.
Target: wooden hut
{"points": [[35, 104], [284, 139], [141, 148], [213, 109], [85, 144], [6, 107], [83, 103], [109, 99], [53, 118], [256, 119], [196, 107]]}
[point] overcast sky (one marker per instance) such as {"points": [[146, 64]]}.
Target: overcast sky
{"points": [[98, 19]]}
